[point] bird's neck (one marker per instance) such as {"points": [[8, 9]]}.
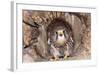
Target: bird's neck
{"points": [[61, 40], [61, 37]]}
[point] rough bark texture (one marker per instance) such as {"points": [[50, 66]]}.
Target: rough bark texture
{"points": [[35, 23]]}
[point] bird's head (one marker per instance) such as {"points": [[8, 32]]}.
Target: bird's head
{"points": [[60, 32]]}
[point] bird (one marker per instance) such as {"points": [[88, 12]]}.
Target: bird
{"points": [[60, 38]]}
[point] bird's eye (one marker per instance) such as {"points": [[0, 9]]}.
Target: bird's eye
{"points": [[63, 31], [56, 32]]}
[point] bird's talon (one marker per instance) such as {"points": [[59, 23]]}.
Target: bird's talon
{"points": [[65, 57], [56, 59], [51, 59]]}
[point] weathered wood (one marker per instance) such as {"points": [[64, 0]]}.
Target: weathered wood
{"points": [[37, 36]]}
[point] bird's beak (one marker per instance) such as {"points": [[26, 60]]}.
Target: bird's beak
{"points": [[61, 34]]}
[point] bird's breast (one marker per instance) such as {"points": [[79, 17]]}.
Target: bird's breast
{"points": [[60, 40]]}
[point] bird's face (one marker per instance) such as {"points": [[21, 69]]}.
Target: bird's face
{"points": [[60, 37], [60, 33]]}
